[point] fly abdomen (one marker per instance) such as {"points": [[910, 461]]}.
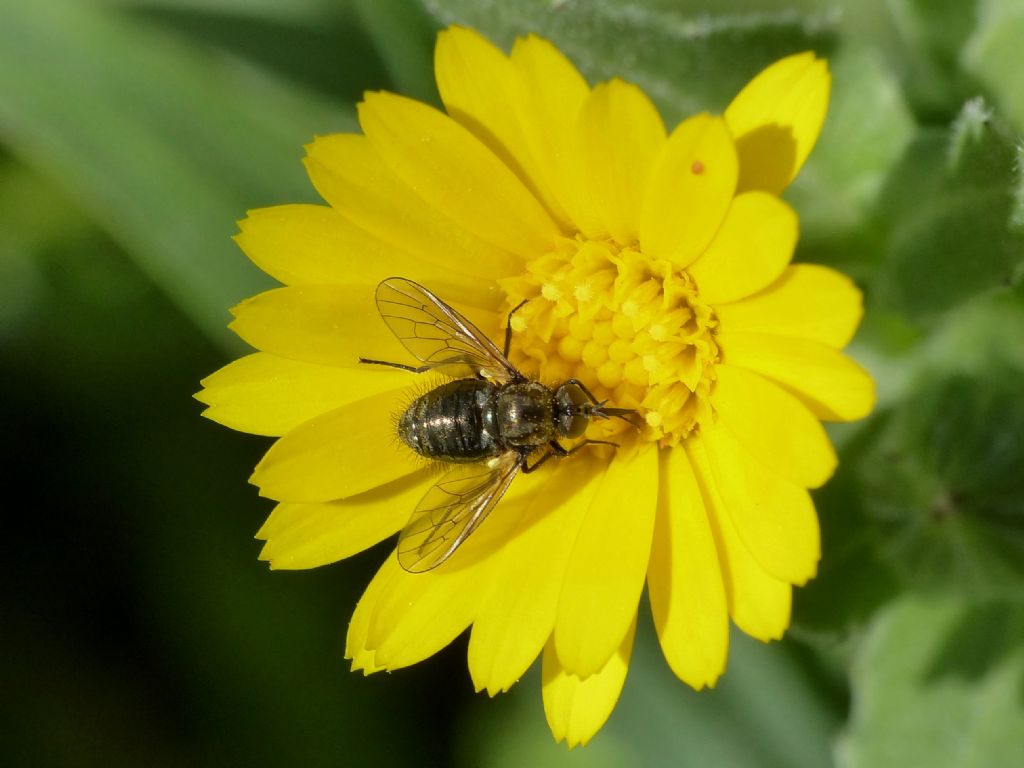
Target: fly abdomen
{"points": [[453, 422]]}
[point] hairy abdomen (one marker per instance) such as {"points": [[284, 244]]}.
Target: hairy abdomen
{"points": [[453, 422]]}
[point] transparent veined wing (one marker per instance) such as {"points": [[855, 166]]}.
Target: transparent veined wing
{"points": [[436, 334], [450, 511]]}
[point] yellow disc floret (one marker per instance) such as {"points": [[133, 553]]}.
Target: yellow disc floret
{"points": [[632, 328]]}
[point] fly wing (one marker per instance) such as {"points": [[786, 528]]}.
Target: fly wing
{"points": [[436, 334], [452, 510]]}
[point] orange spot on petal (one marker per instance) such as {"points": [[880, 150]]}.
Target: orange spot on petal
{"points": [[697, 167]]}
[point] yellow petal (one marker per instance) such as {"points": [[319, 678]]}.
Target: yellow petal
{"points": [[339, 454], [269, 395], [315, 245], [309, 535], [577, 708], [623, 136], [773, 426], [356, 647], [832, 385], [749, 252], [314, 324], [553, 93], [606, 570], [758, 603], [449, 166], [515, 622], [776, 119], [418, 614], [690, 190], [774, 518], [350, 175], [483, 92], [807, 301], [684, 580]]}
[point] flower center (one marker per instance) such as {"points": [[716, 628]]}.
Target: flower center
{"points": [[628, 326]]}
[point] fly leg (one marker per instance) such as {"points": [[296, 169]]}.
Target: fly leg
{"points": [[508, 326], [557, 450], [601, 411]]}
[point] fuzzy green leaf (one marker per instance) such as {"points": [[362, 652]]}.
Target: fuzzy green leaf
{"points": [[939, 683], [949, 215], [994, 56], [944, 486]]}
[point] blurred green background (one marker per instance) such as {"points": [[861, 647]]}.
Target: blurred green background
{"points": [[139, 627]]}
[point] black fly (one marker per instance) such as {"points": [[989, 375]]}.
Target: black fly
{"points": [[488, 421]]}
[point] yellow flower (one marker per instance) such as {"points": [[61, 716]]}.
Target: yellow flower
{"points": [[656, 269]]}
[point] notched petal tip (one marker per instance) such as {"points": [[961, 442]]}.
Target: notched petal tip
{"points": [[776, 119]]}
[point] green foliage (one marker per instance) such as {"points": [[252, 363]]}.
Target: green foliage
{"points": [[939, 682], [992, 55], [164, 144], [945, 487], [950, 215]]}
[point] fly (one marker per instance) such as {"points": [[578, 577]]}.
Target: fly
{"points": [[488, 421]]}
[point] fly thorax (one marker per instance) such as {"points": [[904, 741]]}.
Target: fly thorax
{"points": [[525, 415]]}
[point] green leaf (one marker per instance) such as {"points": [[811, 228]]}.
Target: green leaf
{"points": [[404, 36], [939, 683], [867, 129], [949, 216], [164, 144], [932, 34], [944, 485], [995, 56], [689, 56]]}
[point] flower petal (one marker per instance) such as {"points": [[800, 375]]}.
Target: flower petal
{"points": [[774, 518], [690, 190], [684, 579], [750, 250], [553, 93], [773, 426], [356, 647], [415, 615], [808, 301], [314, 323], [622, 137], [515, 622], [482, 91], [407, 625], [759, 604], [448, 166], [832, 385], [264, 394], [308, 535], [577, 708], [315, 245], [776, 120], [339, 454], [608, 564], [349, 174]]}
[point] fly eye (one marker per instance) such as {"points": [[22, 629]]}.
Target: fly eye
{"points": [[574, 413], [578, 425]]}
